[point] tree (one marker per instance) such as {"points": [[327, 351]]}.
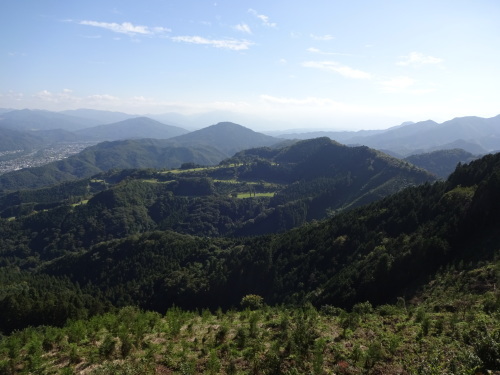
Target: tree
{"points": [[252, 301]]}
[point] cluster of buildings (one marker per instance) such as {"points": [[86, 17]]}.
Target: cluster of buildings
{"points": [[19, 159]]}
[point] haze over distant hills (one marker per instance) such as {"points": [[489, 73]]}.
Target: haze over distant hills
{"points": [[132, 128], [28, 129], [25, 131], [100, 117], [34, 120], [473, 134]]}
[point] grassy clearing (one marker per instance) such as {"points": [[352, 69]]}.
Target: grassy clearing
{"points": [[200, 169], [255, 195], [227, 181], [84, 201], [181, 171]]}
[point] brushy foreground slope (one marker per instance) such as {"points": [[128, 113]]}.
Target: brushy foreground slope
{"points": [[452, 328]]}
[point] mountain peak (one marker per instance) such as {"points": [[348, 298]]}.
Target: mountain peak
{"points": [[228, 137], [227, 125]]}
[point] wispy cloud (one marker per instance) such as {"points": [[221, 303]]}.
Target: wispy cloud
{"points": [[13, 95], [103, 98], [264, 19], [333, 66], [127, 28], [417, 58], [320, 52], [243, 27], [65, 96], [403, 85], [15, 53], [325, 37], [309, 101], [397, 84], [231, 44]]}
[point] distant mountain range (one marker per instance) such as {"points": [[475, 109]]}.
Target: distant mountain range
{"points": [[28, 129], [473, 134], [100, 117], [419, 143], [34, 120], [132, 128]]}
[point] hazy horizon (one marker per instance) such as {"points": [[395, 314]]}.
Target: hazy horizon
{"points": [[265, 65]]}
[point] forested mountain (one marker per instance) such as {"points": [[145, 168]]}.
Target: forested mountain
{"points": [[134, 128], [227, 137], [376, 252], [339, 136], [443, 162], [290, 186], [12, 140]]}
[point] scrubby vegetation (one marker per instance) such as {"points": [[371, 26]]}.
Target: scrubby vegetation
{"points": [[447, 329]]}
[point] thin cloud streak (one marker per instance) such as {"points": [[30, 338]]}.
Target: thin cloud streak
{"points": [[403, 85], [231, 44], [320, 52], [264, 19], [127, 28], [244, 28], [325, 38], [333, 66], [417, 58], [309, 101]]}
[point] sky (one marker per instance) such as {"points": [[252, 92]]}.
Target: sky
{"points": [[275, 64]]}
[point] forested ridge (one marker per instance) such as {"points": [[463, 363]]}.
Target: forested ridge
{"points": [[283, 192], [377, 252], [111, 242]]}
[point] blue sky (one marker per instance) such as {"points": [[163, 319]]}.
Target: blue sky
{"points": [[264, 64]]}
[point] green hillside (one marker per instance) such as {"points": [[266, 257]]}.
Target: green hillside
{"points": [[377, 252], [11, 140], [441, 163], [227, 137], [406, 284], [235, 198]]}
